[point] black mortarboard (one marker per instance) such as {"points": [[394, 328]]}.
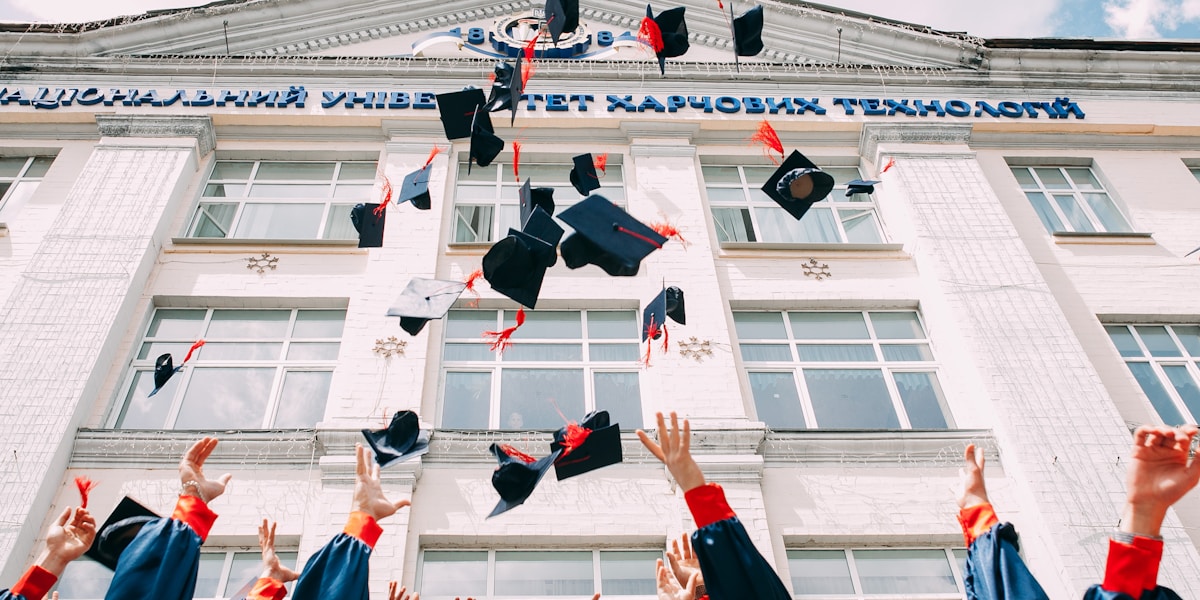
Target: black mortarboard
{"points": [[516, 266], [607, 237], [541, 226], [674, 34], [485, 146], [126, 520], [583, 175], [424, 299], [368, 224], [860, 186], [798, 184], [500, 97], [675, 308], [457, 111], [415, 188], [601, 446], [556, 18], [747, 32], [164, 368], [516, 479], [531, 198], [401, 440], [668, 303]]}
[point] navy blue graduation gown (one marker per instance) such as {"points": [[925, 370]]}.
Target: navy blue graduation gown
{"points": [[995, 570], [162, 560], [338, 571], [1132, 573], [732, 567]]}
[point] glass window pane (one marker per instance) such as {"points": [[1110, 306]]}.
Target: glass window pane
{"points": [[533, 398], [613, 352], [714, 174], [828, 326], [143, 412], [776, 400], [469, 324], [1148, 379], [338, 225], [1185, 385], [756, 175], [477, 173], [907, 352], [817, 227], [242, 350], [84, 578], [544, 173], [209, 575], [176, 323], [472, 223], [319, 323], [904, 572], [923, 400], [765, 352], [897, 326], [733, 225], [547, 325], [227, 169], [1110, 218], [850, 399], [302, 401], [860, 226], [510, 218], [358, 170], [470, 194], [544, 352], [1052, 178], [225, 398], [11, 166], [612, 324], [621, 395], [1041, 205], [245, 567], [213, 219], [842, 175], [725, 195], [280, 221], [819, 572], [1075, 215], [1123, 340], [544, 574], [1084, 179], [247, 324], [836, 352], [465, 403], [475, 352], [290, 190], [454, 573], [1023, 177], [759, 326], [625, 573], [225, 190], [39, 167], [290, 171], [1157, 340], [1189, 335], [152, 350]]}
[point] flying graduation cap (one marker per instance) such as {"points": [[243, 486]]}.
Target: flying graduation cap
{"points": [[798, 184], [860, 186], [562, 16], [118, 531], [531, 198], [516, 265], [667, 34], [457, 112], [583, 174], [517, 475], [368, 220], [401, 440], [164, 367], [587, 446], [423, 300], [607, 237], [485, 146], [415, 187], [507, 88], [667, 304], [747, 31]]}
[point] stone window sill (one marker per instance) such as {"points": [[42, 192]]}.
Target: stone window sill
{"points": [[751, 248], [187, 241], [1104, 237]]}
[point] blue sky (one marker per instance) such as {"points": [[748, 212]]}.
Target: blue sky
{"points": [[1122, 19]]}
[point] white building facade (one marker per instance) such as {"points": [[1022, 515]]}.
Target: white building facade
{"points": [[1018, 280]]}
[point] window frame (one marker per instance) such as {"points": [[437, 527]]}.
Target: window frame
{"points": [[1190, 362], [226, 568], [597, 578], [888, 368], [1077, 194], [22, 176], [281, 365], [955, 557], [1195, 170]]}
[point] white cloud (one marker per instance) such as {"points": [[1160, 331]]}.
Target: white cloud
{"points": [[1147, 19], [78, 11], [1013, 18]]}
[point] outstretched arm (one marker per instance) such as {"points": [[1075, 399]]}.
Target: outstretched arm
{"points": [[67, 539], [975, 512], [274, 575]]}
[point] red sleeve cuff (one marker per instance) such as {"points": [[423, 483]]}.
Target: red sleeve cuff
{"points": [[363, 526], [267, 588], [1133, 568], [34, 584], [708, 504], [196, 514], [976, 520]]}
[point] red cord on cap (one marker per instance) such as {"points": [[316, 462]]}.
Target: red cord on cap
{"points": [[193, 349], [470, 283], [768, 138], [517, 160], [637, 235], [650, 34], [517, 454], [500, 339], [575, 437], [436, 150], [652, 332], [385, 196], [601, 163], [668, 230], [85, 486], [890, 163]]}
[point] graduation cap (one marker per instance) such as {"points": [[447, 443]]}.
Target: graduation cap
{"points": [[457, 112], [368, 220], [164, 367], [583, 175], [668, 303], [507, 88], [561, 16], [516, 265], [401, 440], [532, 198], [798, 184], [415, 188], [517, 476], [485, 146], [588, 446], [673, 33], [747, 32], [607, 237], [859, 186], [424, 299], [118, 531]]}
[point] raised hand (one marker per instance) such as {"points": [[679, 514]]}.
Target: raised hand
{"points": [[368, 492], [271, 566], [1159, 475], [684, 563], [674, 450], [972, 490], [669, 587], [191, 472], [70, 536], [395, 592]]}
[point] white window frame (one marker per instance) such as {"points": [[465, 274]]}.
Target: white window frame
{"points": [[955, 556], [497, 364], [1195, 172], [329, 202], [281, 365], [226, 569], [22, 177], [506, 189], [796, 367], [752, 199], [597, 580], [1185, 359], [1075, 192]]}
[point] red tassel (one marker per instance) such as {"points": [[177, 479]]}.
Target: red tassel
{"points": [[470, 281], [517, 161], [526, 73], [529, 47], [193, 349], [720, 5], [385, 197], [575, 437], [85, 486], [500, 339], [517, 454], [890, 163], [650, 34], [667, 230], [639, 236], [666, 337], [601, 163], [767, 137], [651, 333], [432, 153]]}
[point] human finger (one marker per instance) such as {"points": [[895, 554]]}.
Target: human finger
{"points": [[686, 445], [64, 517], [650, 445], [360, 468], [664, 438], [225, 479], [374, 470], [391, 590], [262, 534], [596, 597], [1140, 435], [402, 503], [687, 546], [674, 431], [661, 574], [691, 585]]}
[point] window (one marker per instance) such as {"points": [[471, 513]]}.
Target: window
{"points": [[1070, 199], [1196, 173], [743, 213], [19, 178], [221, 573], [1165, 360], [841, 370], [568, 361], [258, 369], [484, 574], [282, 200], [869, 573], [486, 205]]}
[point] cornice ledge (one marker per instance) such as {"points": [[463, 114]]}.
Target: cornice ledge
{"points": [[913, 448], [199, 127], [731, 469], [874, 134], [454, 447], [142, 449]]}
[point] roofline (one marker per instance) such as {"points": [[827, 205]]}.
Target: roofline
{"points": [[114, 21], [1093, 44]]}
